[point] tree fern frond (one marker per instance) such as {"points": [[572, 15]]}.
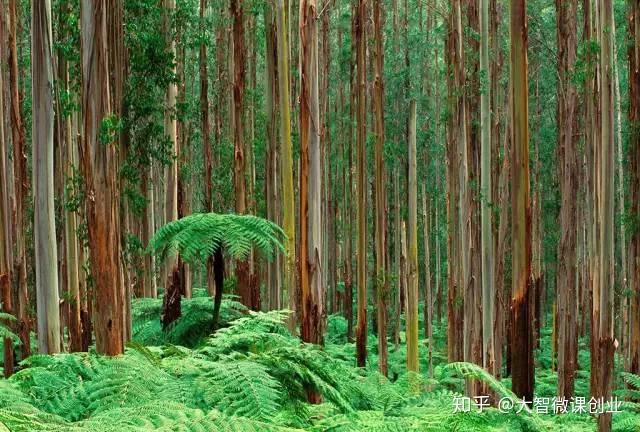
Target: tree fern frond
{"points": [[631, 379], [240, 388], [196, 237]]}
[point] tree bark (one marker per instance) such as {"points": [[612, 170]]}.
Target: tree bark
{"points": [[21, 186], [361, 138], [412, 238], [311, 287], [243, 272], [428, 298], [604, 302], [487, 241], [521, 302], [174, 282], [6, 305], [286, 158], [380, 190], [71, 238], [46, 257], [272, 178], [99, 160], [566, 275], [206, 133], [634, 249]]}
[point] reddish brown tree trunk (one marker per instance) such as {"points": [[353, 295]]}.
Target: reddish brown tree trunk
{"points": [[248, 297], [522, 292], [100, 167], [21, 185], [634, 119], [5, 224], [361, 120], [311, 286], [566, 275]]}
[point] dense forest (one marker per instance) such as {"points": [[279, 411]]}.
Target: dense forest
{"points": [[321, 215]]}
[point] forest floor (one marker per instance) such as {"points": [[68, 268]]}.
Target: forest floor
{"points": [[254, 376]]}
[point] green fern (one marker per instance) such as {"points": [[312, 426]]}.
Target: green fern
{"points": [[196, 237], [633, 381], [242, 388], [5, 329]]}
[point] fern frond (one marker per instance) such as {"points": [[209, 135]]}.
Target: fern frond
{"points": [[196, 237], [240, 388]]}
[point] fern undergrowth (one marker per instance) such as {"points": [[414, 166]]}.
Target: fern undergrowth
{"points": [[252, 375]]}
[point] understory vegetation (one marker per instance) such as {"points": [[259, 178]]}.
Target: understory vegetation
{"points": [[252, 375]]}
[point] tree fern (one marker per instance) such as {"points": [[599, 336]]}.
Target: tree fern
{"points": [[633, 382], [242, 388], [196, 237]]}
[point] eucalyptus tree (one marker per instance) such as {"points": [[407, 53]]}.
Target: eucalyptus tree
{"points": [[312, 292], [21, 182], [380, 189], [634, 118], [412, 238], [603, 295], [174, 284], [361, 185], [522, 300], [487, 241], [566, 276], [286, 156], [5, 233], [238, 65], [100, 169], [46, 252]]}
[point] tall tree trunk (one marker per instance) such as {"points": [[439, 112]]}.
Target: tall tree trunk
{"points": [[497, 110], [311, 287], [470, 196], [150, 286], [566, 275], [624, 298], [243, 275], [286, 158], [46, 257], [634, 249], [71, 237], [6, 305], [397, 249], [272, 178], [459, 136], [488, 257], [502, 250], [204, 116], [99, 160], [174, 282], [521, 302], [361, 138], [428, 299], [117, 75], [605, 301], [380, 190], [412, 237], [21, 186]]}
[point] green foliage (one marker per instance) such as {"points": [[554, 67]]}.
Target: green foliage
{"points": [[196, 237], [253, 375], [191, 329], [5, 329]]}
